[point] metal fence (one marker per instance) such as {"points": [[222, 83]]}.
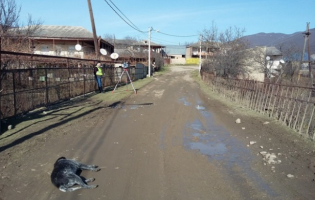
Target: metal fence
{"points": [[32, 81], [293, 106]]}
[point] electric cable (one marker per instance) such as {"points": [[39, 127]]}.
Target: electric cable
{"points": [[134, 27], [164, 41], [177, 35], [125, 16]]}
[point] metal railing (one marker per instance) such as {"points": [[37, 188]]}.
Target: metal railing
{"points": [[31, 81]]}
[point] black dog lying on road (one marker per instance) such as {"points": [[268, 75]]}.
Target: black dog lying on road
{"points": [[66, 174]]}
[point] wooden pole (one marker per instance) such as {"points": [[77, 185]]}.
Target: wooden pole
{"points": [[93, 29]]}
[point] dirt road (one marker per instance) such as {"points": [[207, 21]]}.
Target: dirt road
{"points": [[170, 141]]}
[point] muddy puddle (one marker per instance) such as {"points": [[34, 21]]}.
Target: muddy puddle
{"points": [[213, 140]]}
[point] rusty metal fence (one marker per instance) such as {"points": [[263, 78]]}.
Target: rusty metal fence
{"points": [[32, 81], [293, 106]]}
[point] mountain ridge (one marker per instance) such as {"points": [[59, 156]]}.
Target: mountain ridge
{"points": [[281, 40]]}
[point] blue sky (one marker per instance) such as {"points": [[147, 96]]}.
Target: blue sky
{"points": [[178, 18]]}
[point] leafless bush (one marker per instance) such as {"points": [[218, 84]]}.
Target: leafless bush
{"points": [[158, 61], [208, 66], [228, 49], [14, 35]]}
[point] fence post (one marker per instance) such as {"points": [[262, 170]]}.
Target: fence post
{"points": [[298, 113], [305, 111], [246, 89], [69, 82], [46, 86], [283, 104], [84, 81], [268, 96], [271, 95], [259, 96], [289, 105], [274, 101], [265, 97], [14, 92], [309, 123], [297, 94], [252, 95]]}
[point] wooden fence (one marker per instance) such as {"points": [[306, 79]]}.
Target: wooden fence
{"points": [[293, 106]]}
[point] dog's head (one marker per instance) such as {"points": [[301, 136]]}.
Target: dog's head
{"points": [[61, 158]]}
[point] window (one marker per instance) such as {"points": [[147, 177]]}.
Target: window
{"points": [[71, 50], [45, 50], [58, 50]]}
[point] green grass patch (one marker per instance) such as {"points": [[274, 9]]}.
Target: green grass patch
{"points": [[66, 112], [122, 91], [165, 69]]}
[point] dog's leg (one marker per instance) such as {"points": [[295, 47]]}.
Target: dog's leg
{"points": [[89, 167], [77, 180], [84, 184], [90, 180], [66, 189], [71, 189]]}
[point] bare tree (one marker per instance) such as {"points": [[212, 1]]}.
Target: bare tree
{"points": [[258, 59], [109, 38], [9, 15], [14, 35], [292, 56], [228, 49], [158, 61], [130, 40]]}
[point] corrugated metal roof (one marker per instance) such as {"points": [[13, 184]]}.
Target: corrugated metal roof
{"points": [[52, 31], [136, 43], [126, 53], [175, 49]]}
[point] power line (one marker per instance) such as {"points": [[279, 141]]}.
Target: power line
{"points": [[126, 16], [132, 26], [164, 41], [177, 35]]}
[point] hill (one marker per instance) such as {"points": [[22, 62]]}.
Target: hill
{"points": [[281, 40]]}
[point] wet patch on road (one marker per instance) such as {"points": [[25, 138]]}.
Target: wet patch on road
{"points": [[200, 107], [216, 143], [184, 101]]}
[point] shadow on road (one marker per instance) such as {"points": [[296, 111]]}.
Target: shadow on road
{"points": [[60, 116]]}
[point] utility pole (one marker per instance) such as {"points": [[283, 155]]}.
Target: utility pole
{"points": [[0, 84], [93, 29], [307, 34], [200, 54], [309, 53], [149, 49]]}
